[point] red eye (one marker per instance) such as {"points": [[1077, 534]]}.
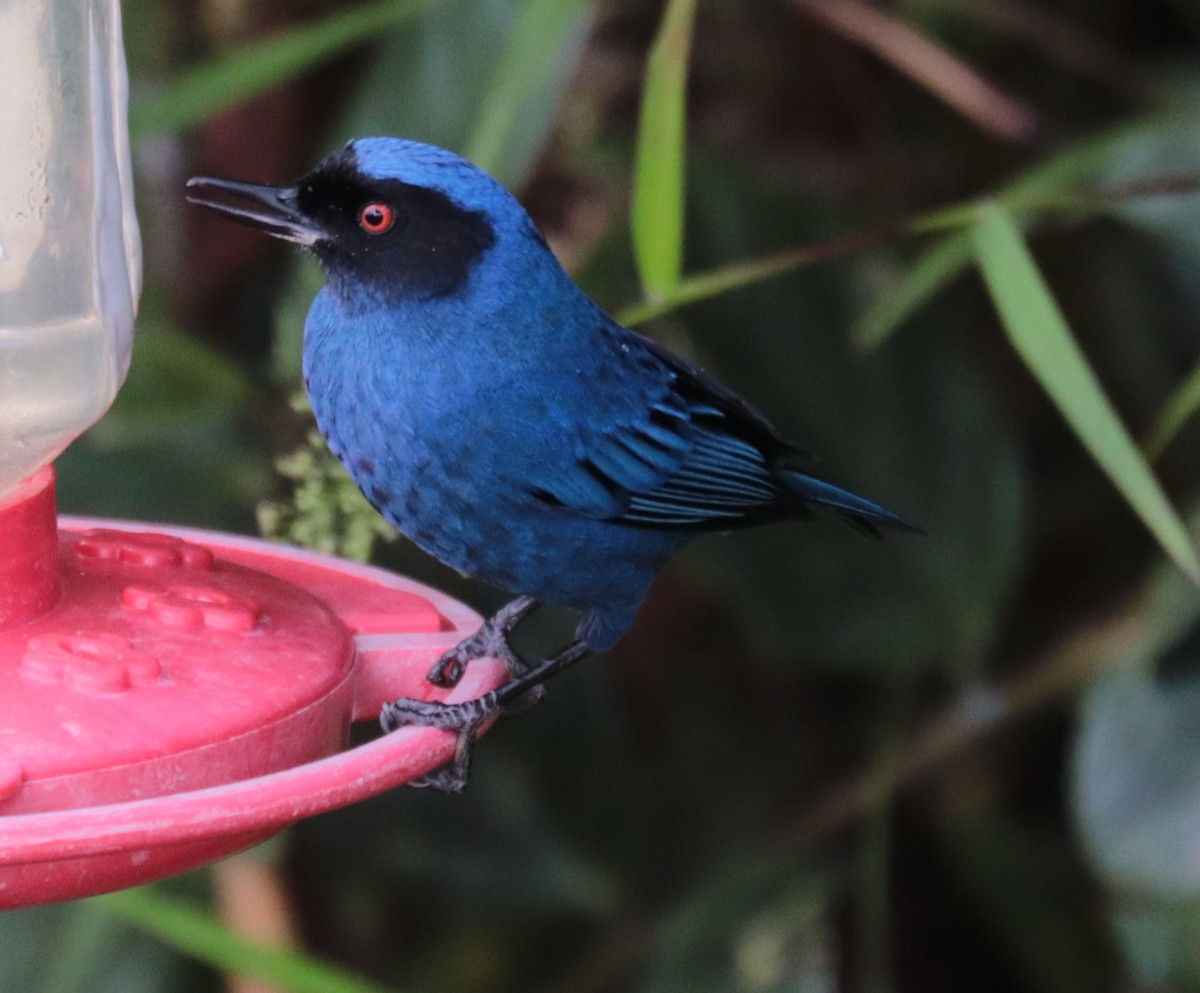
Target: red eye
{"points": [[376, 217]]}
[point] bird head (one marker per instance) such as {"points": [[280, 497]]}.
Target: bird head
{"points": [[387, 218]]}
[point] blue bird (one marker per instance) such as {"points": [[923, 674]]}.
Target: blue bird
{"points": [[499, 418]]}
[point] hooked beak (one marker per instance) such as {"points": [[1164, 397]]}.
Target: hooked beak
{"points": [[271, 209]]}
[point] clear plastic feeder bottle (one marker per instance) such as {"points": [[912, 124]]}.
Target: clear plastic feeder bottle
{"points": [[70, 254]]}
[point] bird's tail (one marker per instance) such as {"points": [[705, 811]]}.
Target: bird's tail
{"points": [[859, 512]]}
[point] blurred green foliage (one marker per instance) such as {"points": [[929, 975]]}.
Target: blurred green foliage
{"points": [[818, 763], [325, 511]]}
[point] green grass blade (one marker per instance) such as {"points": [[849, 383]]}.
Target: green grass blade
{"points": [[251, 70], [935, 267], [703, 285], [1042, 339], [194, 933], [658, 186], [545, 31], [1184, 403]]}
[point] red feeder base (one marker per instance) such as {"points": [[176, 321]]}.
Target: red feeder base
{"points": [[170, 696]]}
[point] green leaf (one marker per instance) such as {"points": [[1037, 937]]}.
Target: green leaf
{"points": [[194, 933], [1183, 403], [704, 285], [659, 170], [935, 268], [541, 47], [1040, 334], [257, 67]]}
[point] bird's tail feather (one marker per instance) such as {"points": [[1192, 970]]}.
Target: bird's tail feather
{"points": [[859, 512]]}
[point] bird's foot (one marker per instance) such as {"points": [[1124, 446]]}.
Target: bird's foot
{"points": [[464, 718], [467, 718], [489, 642]]}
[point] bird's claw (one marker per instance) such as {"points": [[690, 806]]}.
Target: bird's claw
{"points": [[486, 643], [489, 642], [464, 718], [449, 669], [452, 779]]}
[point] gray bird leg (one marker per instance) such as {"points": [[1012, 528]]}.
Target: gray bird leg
{"points": [[466, 718], [489, 642]]}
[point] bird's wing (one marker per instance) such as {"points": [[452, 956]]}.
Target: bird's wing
{"points": [[680, 451]]}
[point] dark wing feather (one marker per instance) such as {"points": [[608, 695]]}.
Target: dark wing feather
{"points": [[691, 454], [701, 391]]}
